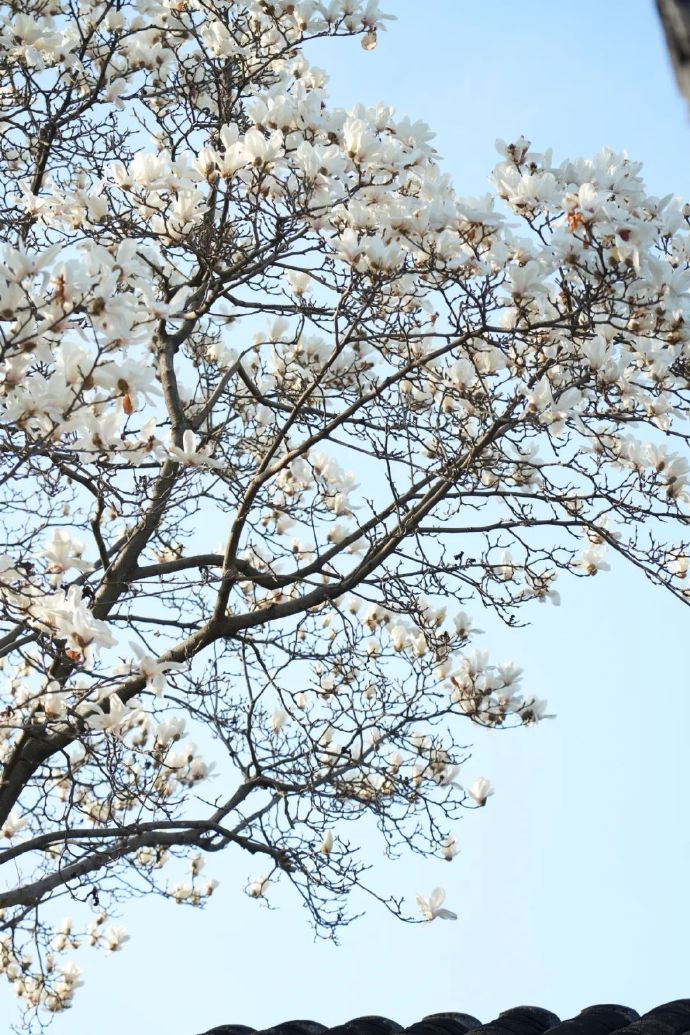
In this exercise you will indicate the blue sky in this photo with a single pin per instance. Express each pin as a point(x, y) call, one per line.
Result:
point(572, 883)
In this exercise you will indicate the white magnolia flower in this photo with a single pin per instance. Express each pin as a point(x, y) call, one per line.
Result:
point(432, 907)
point(399, 637)
point(63, 552)
point(419, 644)
point(464, 626)
point(95, 928)
point(110, 721)
point(191, 455)
point(679, 565)
point(170, 730)
point(74, 620)
point(449, 848)
point(480, 790)
point(257, 886)
point(115, 938)
point(260, 151)
point(533, 710)
point(278, 718)
point(591, 560)
point(300, 282)
point(506, 569)
point(63, 937)
point(154, 670)
point(70, 979)
point(182, 892)
point(337, 533)
point(53, 701)
point(12, 825)
point(327, 843)
point(527, 280)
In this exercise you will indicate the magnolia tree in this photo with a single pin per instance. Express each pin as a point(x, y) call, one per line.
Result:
point(278, 410)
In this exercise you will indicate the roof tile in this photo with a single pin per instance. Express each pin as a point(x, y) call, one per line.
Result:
point(602, 1019)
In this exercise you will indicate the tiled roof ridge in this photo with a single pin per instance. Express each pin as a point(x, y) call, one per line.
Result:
point(671, 1018)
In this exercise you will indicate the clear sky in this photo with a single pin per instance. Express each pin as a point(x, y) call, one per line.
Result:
point(572, 884)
